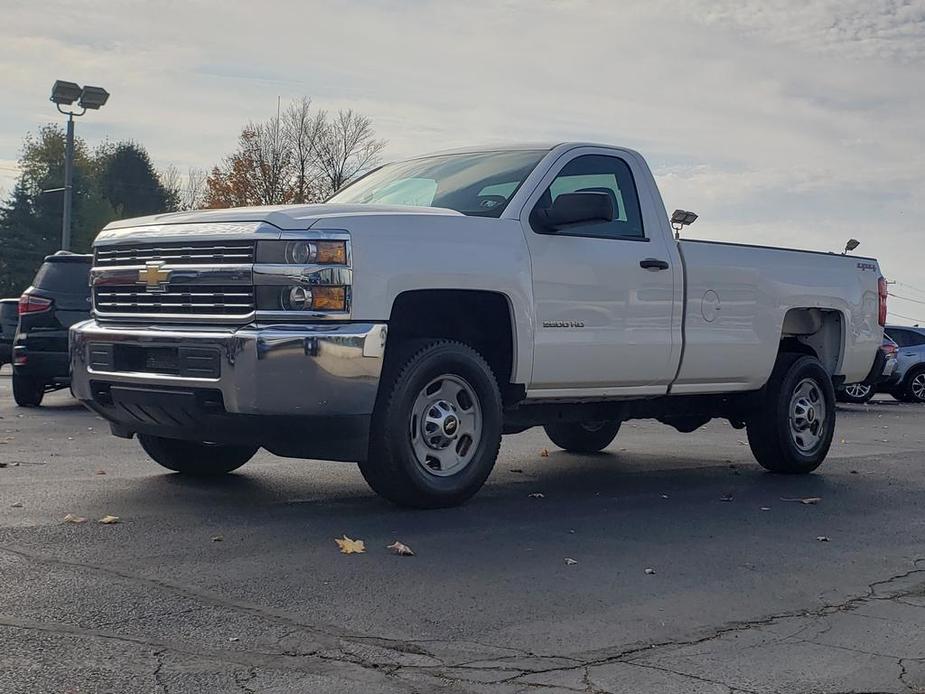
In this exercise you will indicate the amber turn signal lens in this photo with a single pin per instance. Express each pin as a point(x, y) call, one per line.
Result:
point(331, 252)
point(329, 298)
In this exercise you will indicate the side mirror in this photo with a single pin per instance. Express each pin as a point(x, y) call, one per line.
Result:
point(570, 209)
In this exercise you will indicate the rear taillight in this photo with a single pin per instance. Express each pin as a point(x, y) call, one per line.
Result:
point(888, 349)
point(882, 290)
point(33, 304)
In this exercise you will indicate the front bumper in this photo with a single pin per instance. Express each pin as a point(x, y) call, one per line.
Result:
point(290, 388)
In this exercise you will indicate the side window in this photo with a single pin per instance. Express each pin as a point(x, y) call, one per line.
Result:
point(899, 337)
point(597, 173)
point(914, 339)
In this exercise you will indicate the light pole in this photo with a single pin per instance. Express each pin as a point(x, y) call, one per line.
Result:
point(66, 93)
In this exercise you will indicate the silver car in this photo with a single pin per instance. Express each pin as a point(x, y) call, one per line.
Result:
point(908, 382)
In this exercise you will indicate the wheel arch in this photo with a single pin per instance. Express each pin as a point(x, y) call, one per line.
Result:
point(818, 332)
point(483, 319)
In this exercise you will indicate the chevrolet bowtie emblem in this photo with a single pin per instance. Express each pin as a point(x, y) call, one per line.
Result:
point(154, 277)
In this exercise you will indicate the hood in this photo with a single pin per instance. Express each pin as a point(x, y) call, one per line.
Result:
point(285, 217)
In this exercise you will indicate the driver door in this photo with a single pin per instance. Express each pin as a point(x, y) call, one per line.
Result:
point(605, 293)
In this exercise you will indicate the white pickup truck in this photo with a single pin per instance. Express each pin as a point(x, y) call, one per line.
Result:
point(438, 303)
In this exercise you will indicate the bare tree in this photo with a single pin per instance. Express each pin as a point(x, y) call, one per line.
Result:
point(300, 156)
point(345, 146)
point(301, 128)
point(185, 193)
point(269, 154)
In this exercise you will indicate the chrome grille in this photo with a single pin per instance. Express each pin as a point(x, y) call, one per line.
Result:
point(187, 253)
point(177, 300)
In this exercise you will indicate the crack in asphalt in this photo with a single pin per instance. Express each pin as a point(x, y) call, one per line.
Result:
point(159, 659)
point(389, 655)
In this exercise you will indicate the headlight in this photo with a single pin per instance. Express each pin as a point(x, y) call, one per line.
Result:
point(302, 298)
point(302, 252)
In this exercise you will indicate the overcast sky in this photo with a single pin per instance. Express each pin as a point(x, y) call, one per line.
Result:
point(792, 122)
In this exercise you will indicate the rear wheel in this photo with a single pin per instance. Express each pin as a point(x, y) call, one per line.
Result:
point(582, 437)
point(27, 392)
point(793, 430)
point(436, 432)
point(856, 393)
point(194, 458)
point(914, 386)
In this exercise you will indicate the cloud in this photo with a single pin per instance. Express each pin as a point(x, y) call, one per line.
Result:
point(780, 122)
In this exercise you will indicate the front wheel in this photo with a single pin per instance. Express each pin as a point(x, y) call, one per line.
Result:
point(856, 393)
point(792, 432)
point(913, 388)
point(436, 431)
point(27, 392)
point(582, 437)
point(196, 459)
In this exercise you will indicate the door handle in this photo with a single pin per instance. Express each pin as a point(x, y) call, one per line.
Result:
point(653, 264)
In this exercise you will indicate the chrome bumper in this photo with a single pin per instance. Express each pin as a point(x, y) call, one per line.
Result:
point(296, 370)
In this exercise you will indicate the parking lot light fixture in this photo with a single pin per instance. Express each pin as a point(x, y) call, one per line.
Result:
point(66, 93)
point(93, 97)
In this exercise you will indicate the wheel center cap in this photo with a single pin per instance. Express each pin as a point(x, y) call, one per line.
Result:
point(450, 425)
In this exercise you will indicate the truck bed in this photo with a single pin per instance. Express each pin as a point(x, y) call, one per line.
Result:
point(736, 300)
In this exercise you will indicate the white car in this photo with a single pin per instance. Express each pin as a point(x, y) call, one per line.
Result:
point(438, 303)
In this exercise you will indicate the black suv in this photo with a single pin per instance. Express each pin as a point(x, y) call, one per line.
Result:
point(9, 317)
point(58, 298)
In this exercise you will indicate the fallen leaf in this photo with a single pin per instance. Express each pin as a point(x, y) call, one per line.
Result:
point(853, 472)
point(765, 508)
point(234, 638)
point(664, 496)
point(16, 504)
point(650, 572)
point(217, 538)
point(808, 500)
point(537, 495)
point(822, 538)
point(516, 469)
point(76, 520)
point(101, 472)
point(570, 562)
point(401, 549)
point(544, 453)
point(726, 497)
point(109, 520)
point(348, 546)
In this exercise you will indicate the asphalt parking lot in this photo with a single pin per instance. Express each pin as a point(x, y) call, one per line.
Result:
point(239, 586)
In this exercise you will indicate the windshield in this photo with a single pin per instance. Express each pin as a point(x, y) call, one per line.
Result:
point(479, 183)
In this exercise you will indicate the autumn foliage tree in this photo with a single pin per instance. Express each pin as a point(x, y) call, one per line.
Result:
point(301, 156)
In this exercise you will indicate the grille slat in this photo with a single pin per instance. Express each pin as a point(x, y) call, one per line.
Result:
point(233, 300)
point(184, 253)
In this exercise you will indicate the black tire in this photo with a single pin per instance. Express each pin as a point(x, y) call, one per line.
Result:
point(842, 395)
point(392, 467)
point(27, 392)
point(770, 434)
point(913, 384)
point(196, 459)
point(582, 437)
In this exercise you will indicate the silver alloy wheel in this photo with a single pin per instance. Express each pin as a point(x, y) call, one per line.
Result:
point(918, 386)
point(446, 425)
point(857, 390)
point(807, 415)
